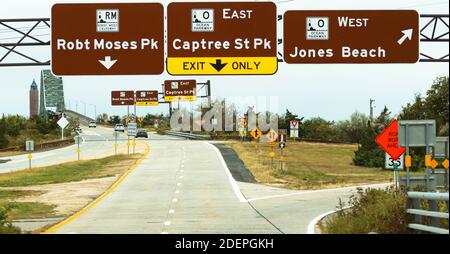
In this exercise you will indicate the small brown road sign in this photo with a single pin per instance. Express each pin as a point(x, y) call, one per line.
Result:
point(351, 36)
point(122, 98)
point(147, 98)
point(107, 39)
point(180, 90)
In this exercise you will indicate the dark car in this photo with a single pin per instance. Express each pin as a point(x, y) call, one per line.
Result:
point(141, 133)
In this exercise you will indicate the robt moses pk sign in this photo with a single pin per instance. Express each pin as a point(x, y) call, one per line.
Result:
point(107, 39)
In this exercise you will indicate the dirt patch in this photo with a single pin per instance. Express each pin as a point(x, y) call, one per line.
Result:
point(68, 197)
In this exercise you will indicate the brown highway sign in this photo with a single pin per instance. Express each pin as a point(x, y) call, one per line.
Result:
point(356, 36)
point(221, 38)
point(107, 39)
point(180, 90)
point(122, 98)
point(147, 98)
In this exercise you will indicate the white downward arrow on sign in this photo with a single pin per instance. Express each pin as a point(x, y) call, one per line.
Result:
point(407, 34)
point(108, 63)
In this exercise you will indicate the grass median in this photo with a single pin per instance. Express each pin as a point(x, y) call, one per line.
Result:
point(18, 186)
point(69, 172)
point(307, 165)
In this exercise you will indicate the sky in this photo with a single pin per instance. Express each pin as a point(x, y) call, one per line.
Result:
point(331, 91)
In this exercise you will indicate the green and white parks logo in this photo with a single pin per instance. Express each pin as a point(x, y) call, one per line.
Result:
point(317, 28)
point(107, 20)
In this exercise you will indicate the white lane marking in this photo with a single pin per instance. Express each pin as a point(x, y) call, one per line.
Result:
point(181, 177)
point(164, 233)
point(171, 211)
point(167, 223)
point(312, 224)
point(178, 184)
point(182, 170)
point(177, 191)
point(182, 166)
point(382, 185)
point(233, 183)
point(175, 200)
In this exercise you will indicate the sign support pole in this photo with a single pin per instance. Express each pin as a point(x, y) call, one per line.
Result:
point(78, 146)
point(427, 152)
point(115, 144)
point(407, 154)
point(29, 160)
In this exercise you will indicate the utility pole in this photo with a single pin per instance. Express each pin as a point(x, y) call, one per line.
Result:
point(371, 109)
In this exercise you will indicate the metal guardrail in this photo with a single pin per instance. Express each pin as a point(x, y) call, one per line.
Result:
point(433, 211)
point(187, 135)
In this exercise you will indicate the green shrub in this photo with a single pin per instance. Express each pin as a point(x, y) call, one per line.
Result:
point(372, 210)
point(5, 226)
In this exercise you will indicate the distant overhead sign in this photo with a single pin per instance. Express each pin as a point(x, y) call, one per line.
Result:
point(147, 98)
point(388, 141)
point(219, 38)
point(122, 98)
point(369, 36)
point(108, 39)
point(180, 90)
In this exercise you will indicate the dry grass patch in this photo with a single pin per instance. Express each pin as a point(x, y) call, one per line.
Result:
point(307, 165)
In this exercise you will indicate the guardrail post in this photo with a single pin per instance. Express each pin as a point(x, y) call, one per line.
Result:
point(433, 206)
point(416, 205)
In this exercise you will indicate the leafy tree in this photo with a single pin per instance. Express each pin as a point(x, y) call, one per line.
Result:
point(435, 105)
point(114, 119)
point(369, 154)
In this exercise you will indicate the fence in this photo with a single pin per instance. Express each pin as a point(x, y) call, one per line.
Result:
point(432, 215)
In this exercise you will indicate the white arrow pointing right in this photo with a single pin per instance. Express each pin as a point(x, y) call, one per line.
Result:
point(407, 34)
point(107, 63)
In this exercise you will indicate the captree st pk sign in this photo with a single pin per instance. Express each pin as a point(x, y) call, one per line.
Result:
point(107, 39)
point(147, 98)
point(351, 36)
point(221, 38)
point(180, 90)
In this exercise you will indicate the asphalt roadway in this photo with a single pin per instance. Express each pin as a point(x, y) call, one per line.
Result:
point(96, 143)
point(185, 186)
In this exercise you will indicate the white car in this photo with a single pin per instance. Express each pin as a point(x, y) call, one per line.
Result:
point(119, 127)
point(92, 124)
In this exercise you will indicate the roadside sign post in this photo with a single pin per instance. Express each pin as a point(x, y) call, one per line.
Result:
point(62, 122)
point(282, 145)
point(116, 134)
point(293, 127)
point(77, 140)
point(131, 132)
point(388, 140)
point(29, 147)
point(417, 133)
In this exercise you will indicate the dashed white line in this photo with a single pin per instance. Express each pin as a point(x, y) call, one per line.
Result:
point(177, 191)
point(181, 177)
point(171, 211)
point(175, 200)
point(164, 233)
point(167, 223)
point(178, 184)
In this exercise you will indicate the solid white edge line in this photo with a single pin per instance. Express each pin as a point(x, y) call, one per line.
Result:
point(378, 185)
point(312, 224)
point(233, 182)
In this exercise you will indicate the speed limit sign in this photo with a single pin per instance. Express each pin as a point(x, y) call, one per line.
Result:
point(389, 162)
